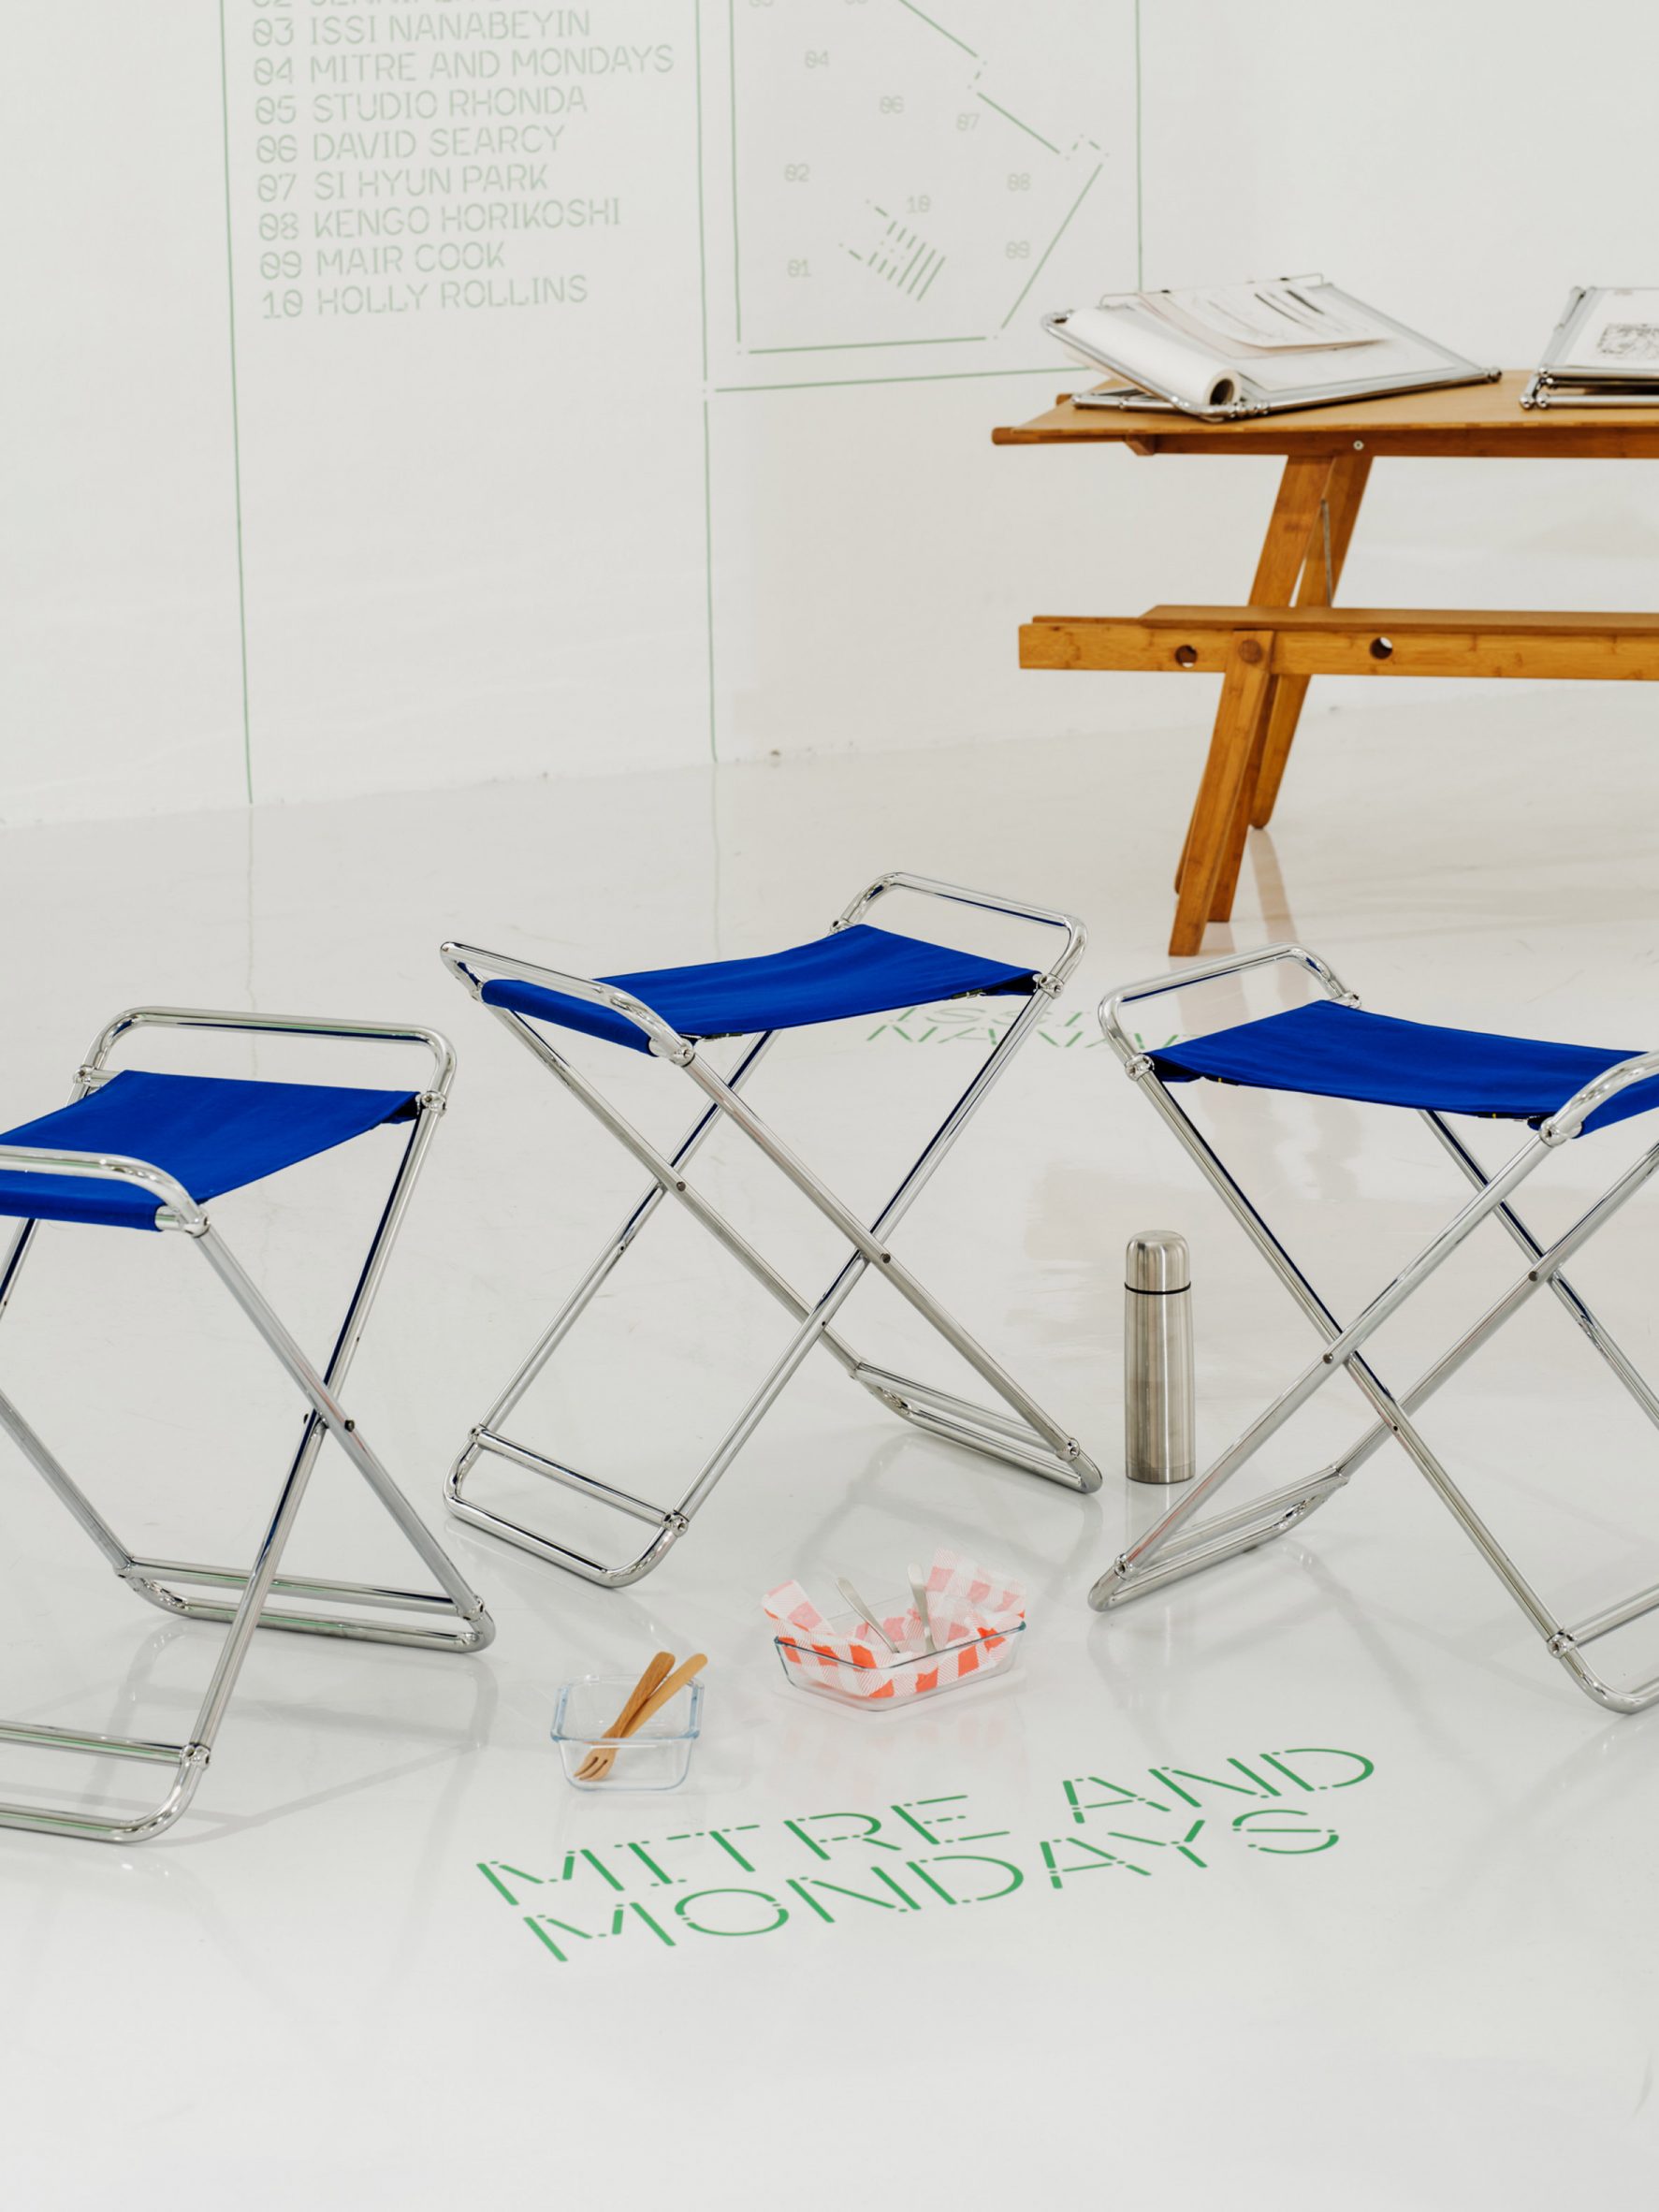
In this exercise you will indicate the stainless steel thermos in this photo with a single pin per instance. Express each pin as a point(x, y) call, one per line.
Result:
point(1157, 1388)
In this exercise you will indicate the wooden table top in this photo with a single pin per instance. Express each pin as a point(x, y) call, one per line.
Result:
point(1472, 419)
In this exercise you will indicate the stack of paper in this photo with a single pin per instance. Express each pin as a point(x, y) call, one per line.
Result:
point(1603, 353)
point(1258, 348)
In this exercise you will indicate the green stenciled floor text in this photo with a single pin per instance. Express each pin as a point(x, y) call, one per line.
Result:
point(754, 1878)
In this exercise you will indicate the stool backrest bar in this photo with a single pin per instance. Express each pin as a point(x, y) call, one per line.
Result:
point(988, 901)
point(471, 964)
point(341, 1026)
point(1129, 1051)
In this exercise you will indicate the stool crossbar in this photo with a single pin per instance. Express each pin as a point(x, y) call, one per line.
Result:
point(143, 1151)
point(670, 1013)
point(1329, 1048)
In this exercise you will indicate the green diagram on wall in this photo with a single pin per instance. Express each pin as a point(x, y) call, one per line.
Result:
point(879, 176)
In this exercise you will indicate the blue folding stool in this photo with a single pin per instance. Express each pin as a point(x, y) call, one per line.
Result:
point(143, 1151)
point(670, 1013)
point(1330, 1049)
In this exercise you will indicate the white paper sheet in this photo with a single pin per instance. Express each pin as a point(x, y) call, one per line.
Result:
point(1210, 350)
point(1155, 358)
point(1620, 331)
point(1262, 318)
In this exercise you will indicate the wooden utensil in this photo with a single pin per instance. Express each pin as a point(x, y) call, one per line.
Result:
point(598, 1763)
point(676, 1682)
point(656, 1669)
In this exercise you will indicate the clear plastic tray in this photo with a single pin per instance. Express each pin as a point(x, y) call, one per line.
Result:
point(886, 1680)
point(656, 1757)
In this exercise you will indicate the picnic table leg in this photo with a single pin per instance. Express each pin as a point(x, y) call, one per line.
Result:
point(1224, 794)
point(1348, 474)
point(1294, 533)
point(1238, 828)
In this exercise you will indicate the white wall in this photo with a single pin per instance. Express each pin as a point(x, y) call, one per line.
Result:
point(1463, 163)
point(696, 458)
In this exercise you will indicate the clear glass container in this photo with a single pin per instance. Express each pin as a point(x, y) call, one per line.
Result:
point(875, 1677)
point(655, 1757)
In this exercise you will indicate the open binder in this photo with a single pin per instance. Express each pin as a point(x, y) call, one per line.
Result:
point(1604, 352)
point(1222, 352)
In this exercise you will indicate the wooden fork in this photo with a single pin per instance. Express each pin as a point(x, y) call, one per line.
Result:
point(656, 1669)
point(598, 1763)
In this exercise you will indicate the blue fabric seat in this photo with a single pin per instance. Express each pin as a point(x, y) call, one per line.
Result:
point(858, 970)
point(210, 1133)
point(1339, 1051)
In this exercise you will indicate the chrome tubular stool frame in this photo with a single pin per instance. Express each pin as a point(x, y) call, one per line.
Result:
point(1024, 1437)
point(1183, 1543)
point(244, 1604)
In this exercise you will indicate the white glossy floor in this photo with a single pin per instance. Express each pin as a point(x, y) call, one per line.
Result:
point(1414, 1964)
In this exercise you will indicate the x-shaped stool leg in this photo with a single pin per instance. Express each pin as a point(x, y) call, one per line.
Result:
point(451, 1618)
point(1182, 1544)
point(1025, 1436)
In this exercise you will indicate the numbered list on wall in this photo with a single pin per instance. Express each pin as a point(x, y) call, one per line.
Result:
point(406, 161)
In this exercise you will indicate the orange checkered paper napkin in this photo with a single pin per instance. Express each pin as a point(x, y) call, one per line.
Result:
point(975, 1612)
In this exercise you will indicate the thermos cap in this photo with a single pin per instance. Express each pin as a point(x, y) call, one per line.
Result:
point(1157, 1260)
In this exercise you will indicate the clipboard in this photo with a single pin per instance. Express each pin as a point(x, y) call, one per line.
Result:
point(1147, 340)
point(1570, 375)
